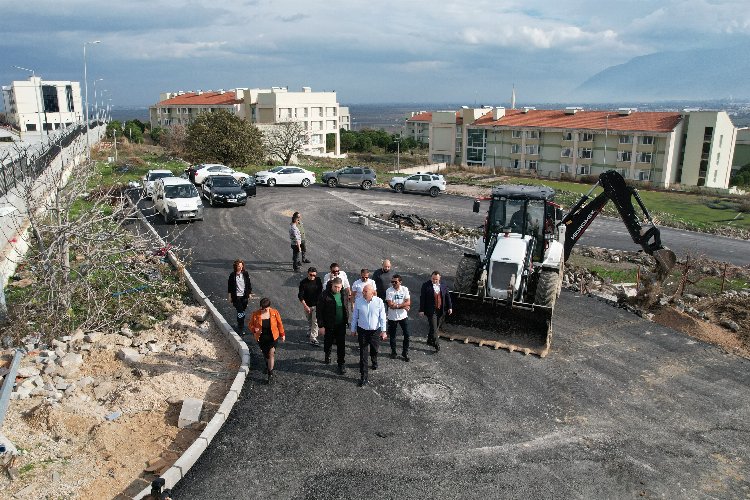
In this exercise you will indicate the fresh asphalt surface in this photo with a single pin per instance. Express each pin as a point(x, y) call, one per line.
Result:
point(621, 407)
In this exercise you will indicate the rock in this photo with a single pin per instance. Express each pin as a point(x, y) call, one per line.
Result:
point(71, 360)
point(731, 325)
point(190, 412)
point(689, 297)
point(22, 392)
point(61, 385)
point(50, 369)
point(28, 371)
point(69, 373)
point(92, 337)
point(103, 390)
point(85, 381)
point(125, 330)
point(201, 316)
point(77, 336)
point(153, 347)
point(129, 355)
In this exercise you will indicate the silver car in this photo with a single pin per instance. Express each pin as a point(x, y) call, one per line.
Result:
point(422, 182)
point(151, 177)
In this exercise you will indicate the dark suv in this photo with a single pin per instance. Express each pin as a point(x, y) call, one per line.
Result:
point(350, 176)
point(223, 189)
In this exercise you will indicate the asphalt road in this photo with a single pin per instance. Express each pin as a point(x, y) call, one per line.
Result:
point(621, 408)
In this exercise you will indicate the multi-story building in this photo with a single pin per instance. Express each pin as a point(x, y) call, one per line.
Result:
point(418, 126)
point(36, 106)
point(181, 108)
point(318, 112)
point(692, 148)
point(741, 149)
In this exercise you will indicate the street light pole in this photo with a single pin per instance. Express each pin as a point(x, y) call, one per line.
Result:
point(96, 103)
point(86, 87)
point(36, 96)
point(397, 140)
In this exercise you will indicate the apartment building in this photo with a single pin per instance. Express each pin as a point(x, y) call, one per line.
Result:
point(691, 148)
point(418, 126)
point(741, 149)
point(181, 108)
point(36, 106)
point(319, 112)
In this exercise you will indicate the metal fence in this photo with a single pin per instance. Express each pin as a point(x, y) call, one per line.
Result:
point(17, 164)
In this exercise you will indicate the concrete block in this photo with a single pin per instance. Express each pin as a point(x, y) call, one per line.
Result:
point(190, 412)
point(129, 355)
point(213, 427)
point(71, 360)
point(191, 455)
point(28, 371)
point(226, 406)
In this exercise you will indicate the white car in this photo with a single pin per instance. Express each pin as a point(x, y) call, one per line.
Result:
point(177, 199)
point(204, 170)
point(151, 177)
point(422, 182)
point(289, 175)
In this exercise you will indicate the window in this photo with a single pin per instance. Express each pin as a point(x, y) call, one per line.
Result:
point(643, 175)
point(644, 157)
point(647, 139)
point(516, 163)
point(708, 133)
point(585, 153)
point(516, 134)
point(566, 153)
point(624, 156)
point(69, 97)
point(587, 136)
point(626, 139)
point(49, 96)
point(531, 164)
point(31, 127)
point(532, 134)
point(721, 139)
point(583, 170)
point(515, 148)
point(567, 136)
point(532, 149)
point(566, 168)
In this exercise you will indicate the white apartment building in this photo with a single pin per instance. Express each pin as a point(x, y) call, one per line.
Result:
point(691, 148)
point(36, 106)
point(319, 112)
point(418, 126)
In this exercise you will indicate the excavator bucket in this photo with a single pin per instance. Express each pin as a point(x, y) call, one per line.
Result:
point(486, 321)
point(665, 261)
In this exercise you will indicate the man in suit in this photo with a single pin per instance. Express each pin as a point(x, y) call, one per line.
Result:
point(434, 303)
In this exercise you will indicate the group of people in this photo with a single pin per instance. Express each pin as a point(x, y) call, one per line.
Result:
point(371, 309)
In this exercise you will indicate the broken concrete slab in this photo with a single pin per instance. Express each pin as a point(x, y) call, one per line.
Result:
point(28, 371)
point(190, 412)
point(129, 355)
point(71, 360)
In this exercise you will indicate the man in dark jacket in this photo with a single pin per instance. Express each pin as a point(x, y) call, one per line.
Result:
point(434, 303)
point(382, 278)
point(333, 316)
point(310, 289)
point(239, 289)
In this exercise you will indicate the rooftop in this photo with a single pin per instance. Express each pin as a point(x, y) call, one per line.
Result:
point(651, 121)
point(202, 99)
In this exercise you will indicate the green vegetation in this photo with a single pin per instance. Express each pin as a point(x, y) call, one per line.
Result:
point(222, 137)
point(742, 177)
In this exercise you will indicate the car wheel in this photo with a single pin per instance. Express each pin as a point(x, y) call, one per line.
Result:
point(399, 188)
point(434, 191)
point(332, 182)
point(167, 219)
point(366, 185)
point(211, 200)
point(271, 182)
point(305, 183)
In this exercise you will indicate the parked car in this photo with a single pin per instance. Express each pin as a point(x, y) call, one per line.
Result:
point(223, 189)
point(177, 199)
point(249, 186)
point(151, 177)
point(350, 176)
point(422, 182)
point(290, 176)
point(198, 173)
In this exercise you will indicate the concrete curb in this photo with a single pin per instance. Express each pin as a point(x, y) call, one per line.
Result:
point(183, 464)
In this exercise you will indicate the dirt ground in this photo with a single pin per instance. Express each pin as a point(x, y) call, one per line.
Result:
point(70, 449)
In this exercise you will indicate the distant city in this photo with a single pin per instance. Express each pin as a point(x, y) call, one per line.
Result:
point(390, 117)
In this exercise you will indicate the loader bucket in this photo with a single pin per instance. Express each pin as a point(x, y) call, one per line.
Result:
point(486, 321)
point(665, 261)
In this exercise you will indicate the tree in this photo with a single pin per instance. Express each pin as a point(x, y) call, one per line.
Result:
point(133, 131)
point(348, 140)
point(285, 140)
point(112, 127)
point(175, 139)
point(222, 137)
point(157, 134)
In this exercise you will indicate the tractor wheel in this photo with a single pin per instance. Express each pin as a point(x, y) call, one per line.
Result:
point(547, 288)
point(467, 274)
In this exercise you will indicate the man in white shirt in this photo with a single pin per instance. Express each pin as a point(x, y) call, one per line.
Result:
point(368, 319)
point(363, 281)
point(398, 300)
point(336, 272)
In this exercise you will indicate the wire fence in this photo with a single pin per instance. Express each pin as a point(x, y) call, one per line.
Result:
point(23, 163)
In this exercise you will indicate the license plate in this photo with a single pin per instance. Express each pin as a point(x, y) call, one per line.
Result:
point(232, 200)
point(190, 214)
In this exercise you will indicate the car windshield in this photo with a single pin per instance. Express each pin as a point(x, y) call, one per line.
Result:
point(158, 175)
point(186, 191)
point(225, 181)
point(275, 169)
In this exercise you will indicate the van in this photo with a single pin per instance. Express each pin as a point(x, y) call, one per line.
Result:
point(177, 199)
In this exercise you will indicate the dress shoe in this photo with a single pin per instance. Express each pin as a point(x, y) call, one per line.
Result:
point(327, 360)
point(431, 342)
point(436, 346)
point(306, 261)
point(406, 357)
point(393, 355)
point(362, 383)
point(374, 367)
point(342, 369)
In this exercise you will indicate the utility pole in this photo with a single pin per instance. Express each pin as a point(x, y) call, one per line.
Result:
point(114, 132)
point(397, 140)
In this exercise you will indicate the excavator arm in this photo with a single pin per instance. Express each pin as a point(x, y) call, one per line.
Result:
point(621, 195)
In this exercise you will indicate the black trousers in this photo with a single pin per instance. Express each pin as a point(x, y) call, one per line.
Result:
point(393, 327)
point(303, 247)
point(367, 338)
point(436, 320)
point(295, 258)
point(338, 335)
point(240, 304)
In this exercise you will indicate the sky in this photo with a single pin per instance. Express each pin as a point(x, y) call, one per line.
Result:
point(368, 52)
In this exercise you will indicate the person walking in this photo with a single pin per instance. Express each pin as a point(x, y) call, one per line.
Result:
point(310, 289)
point(333, 316)
point(399, 302)
point(359, 285)
point(434, 303)
point(266, 326)
point(382, 279)
point(296, 240)
point(336, 272)
point(368, 320)
point(239, 289)
point(302, 245)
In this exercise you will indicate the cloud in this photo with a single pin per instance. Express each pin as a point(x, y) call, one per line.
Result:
point(293, 18)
